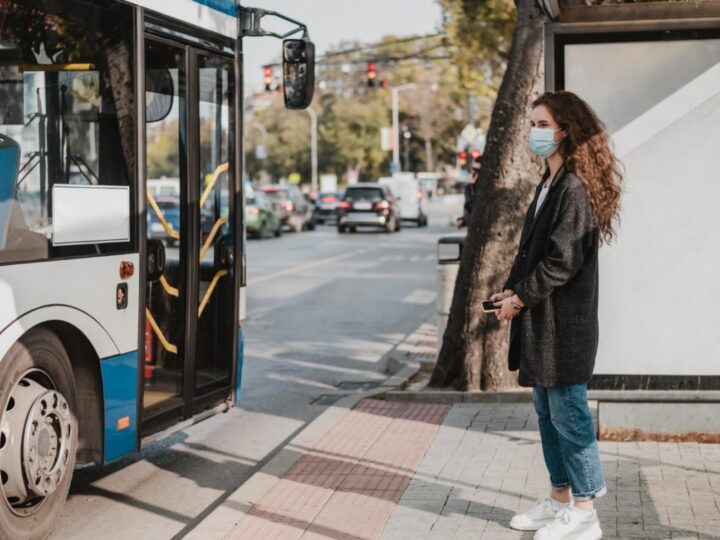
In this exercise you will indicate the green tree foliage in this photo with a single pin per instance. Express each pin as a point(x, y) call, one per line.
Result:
point(479, 33)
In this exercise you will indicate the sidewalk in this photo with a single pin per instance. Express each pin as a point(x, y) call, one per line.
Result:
point(372, 469)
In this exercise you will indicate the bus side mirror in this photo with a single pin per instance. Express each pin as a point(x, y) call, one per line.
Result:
point(155, 259)
point(298, 72)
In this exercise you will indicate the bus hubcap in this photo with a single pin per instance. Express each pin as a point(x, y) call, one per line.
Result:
point(35, 450)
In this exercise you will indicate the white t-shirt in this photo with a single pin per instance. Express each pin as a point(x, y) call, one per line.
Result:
point(541, 199)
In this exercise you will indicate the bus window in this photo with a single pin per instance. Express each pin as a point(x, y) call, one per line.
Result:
point(68, 103)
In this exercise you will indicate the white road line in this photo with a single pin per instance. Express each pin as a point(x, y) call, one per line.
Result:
point(419, 296)
point(308, 266)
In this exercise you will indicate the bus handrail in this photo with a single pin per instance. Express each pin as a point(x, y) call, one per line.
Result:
point(223, 167)
point(210, 289)
point(211, 238)
point(169, 347)
point(172, 233)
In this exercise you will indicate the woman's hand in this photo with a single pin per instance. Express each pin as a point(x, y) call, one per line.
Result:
point(507, 293)
point(508, 307)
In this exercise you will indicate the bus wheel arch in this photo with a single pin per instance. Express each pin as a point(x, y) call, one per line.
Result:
point(38, 393)
point(88, 381)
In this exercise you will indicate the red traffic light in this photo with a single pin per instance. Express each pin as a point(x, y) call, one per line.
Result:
point(371, 74)
point(267, 70)
point(462, 157)
point(476, 154)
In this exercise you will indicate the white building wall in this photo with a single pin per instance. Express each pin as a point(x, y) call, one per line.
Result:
point(659, 285)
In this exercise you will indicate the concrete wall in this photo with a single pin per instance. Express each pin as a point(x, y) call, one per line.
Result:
point(660, 282)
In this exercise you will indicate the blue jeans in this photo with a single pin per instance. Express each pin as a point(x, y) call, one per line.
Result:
point(568, 440)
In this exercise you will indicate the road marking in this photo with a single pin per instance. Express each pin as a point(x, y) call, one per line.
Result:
point(308, 266)
point(419, 296)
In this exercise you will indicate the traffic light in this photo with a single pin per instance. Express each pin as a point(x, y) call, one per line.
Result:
point(371, 74)
point(462, 158)
point(475, 154)
point(268, 78)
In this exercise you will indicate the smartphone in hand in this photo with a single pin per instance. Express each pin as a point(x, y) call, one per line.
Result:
point(488, 306)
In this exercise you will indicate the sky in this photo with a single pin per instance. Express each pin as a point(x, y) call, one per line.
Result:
point(332, 21)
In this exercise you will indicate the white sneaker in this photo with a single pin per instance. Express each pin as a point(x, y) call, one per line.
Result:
point(538, 516)
point(572, 524)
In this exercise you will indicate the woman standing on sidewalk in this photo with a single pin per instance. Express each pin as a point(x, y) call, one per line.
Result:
point(551, 296)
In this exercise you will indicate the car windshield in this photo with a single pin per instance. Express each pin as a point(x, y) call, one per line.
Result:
point(168, 205)
point(364, 194)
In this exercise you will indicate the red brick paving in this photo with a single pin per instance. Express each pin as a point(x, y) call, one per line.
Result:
point(347, 486)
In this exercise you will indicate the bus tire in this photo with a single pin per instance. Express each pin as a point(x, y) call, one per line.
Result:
point(36, 384)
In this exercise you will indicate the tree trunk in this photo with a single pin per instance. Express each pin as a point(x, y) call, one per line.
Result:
point(428, 155)
point(474, 349)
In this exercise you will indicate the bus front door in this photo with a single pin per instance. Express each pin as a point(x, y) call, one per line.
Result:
point(189, 313)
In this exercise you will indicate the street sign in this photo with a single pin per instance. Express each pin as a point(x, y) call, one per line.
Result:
point(328, 182)
point(260, 152)
point(469, 133)
point(386, 138)
point(294, 178)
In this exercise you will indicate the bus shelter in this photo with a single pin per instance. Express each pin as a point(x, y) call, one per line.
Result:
point(651, 71)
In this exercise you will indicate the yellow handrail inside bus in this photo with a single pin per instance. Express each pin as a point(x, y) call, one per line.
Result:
point(172, 233)
point(56, 67)
point(219, 223)
point(210, 290)
point(169, 347)
point(223, 167)
point(169, 289)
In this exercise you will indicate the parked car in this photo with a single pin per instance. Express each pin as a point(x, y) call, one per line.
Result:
point(170, 208)
point(262, 217)
point(368, 204)
point(409, 195)
point(326, 206)
point(297, 212)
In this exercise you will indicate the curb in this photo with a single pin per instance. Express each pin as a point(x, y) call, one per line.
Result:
point(227, 514)
point(525, 396)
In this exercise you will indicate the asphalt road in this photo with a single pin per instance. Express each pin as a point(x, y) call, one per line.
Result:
point(323, 308)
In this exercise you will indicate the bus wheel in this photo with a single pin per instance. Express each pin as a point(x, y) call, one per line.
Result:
point(38, 434)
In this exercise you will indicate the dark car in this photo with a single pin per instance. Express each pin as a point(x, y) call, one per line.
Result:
point(326, 206)
point(297, 212)
point(170, 209)
point(370, 205)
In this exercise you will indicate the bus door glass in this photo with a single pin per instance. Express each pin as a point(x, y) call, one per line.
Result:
point(214, 359)
point(167, 194)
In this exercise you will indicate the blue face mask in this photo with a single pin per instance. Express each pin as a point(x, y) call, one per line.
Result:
point(542, 141)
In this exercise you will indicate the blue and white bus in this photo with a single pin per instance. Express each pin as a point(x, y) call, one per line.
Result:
point(121, 231)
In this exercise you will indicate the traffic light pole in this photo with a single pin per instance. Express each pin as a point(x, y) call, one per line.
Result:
point(396, 122)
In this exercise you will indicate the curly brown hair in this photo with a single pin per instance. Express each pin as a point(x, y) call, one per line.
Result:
point(588, 153)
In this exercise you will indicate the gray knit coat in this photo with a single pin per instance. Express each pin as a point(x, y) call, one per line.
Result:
point(554, 339)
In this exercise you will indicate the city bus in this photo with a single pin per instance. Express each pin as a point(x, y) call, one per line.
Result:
point(121, 231)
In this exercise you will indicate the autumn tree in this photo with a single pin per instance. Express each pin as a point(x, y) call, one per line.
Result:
point(474, 349)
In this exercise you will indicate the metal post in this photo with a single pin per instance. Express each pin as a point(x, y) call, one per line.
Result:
point(313, 149)
point(396, 122)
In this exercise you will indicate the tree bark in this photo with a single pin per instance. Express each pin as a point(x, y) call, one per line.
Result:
point(428, 155)
point(474, 350)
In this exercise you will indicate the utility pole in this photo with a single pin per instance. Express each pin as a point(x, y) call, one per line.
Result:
point(313, 149)
point(396, 122)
